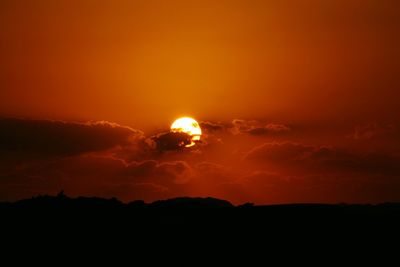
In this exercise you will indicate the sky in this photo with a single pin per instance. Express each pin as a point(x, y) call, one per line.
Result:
point(297, 100)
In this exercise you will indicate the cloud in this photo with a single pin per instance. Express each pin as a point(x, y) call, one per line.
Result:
point(285, 151)
point(323, 159)
point(210, 167)
point(117, 170)
point(257, 128)
point(208, 126)
point(170, 141)
point(180, 171)
point(239, 126)
point(106, 159)
point(99, 176)
point(371, 130)
point(58, 138)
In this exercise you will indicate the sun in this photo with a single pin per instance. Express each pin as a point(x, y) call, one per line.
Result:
point(189, 126)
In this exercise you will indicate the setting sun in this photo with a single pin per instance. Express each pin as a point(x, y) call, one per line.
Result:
point(189, 126)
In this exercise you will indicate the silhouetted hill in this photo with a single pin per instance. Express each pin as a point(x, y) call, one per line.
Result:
point(202, 209)
point(61, 217)
point(61, 201)
point(198, 226)
point(188, 202)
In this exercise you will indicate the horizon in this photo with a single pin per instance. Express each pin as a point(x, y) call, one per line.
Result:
point(191, 199)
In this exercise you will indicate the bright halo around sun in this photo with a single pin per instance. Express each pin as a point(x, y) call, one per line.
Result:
point(189, 126)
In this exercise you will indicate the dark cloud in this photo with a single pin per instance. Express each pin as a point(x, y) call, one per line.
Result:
point(58, 138)
point(117, 170)
point(106, 159)
point(257, 128)
point(323, 159)
point(239, 126)
point(371, 130)
point(97, 176)
point(208, 126)
point(170, 141)
point(278, 152)
point(210, 167)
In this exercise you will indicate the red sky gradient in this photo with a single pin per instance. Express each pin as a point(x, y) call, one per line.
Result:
point(298, 100)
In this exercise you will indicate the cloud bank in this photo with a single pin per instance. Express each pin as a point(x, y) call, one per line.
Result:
point(58, 138)
point(242, 161)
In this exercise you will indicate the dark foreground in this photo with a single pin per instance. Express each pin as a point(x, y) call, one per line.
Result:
point(179, 223)
point(193, 213)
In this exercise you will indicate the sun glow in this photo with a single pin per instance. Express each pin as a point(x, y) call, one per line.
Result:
point(189, 126)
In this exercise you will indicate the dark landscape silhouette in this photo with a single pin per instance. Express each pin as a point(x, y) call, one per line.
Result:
point(193, 212)
point(200, 226)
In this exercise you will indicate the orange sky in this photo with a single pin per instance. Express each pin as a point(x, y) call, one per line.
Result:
point(329, 70)
point(145, 62)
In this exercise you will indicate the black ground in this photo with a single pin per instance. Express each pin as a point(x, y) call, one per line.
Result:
point(188, 223)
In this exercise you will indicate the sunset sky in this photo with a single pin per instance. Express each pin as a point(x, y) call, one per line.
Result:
point(298, 101)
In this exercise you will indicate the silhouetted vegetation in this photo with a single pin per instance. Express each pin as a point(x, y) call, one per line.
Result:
point(191, 220)
point(204, 218)
point(194, 210)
